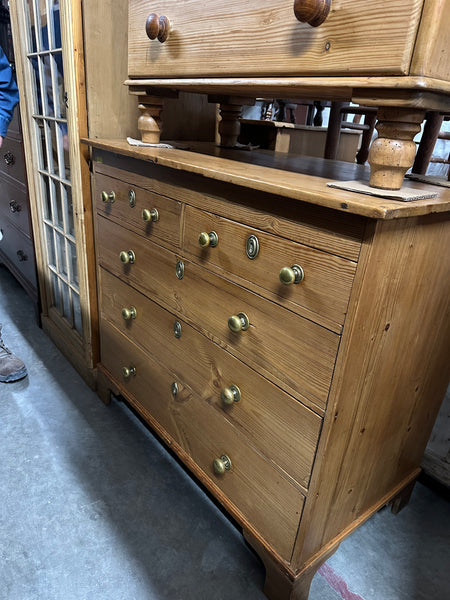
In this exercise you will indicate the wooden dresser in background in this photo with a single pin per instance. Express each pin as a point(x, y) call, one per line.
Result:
point(287, 340)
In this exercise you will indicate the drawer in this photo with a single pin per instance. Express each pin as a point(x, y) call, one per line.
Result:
point(322, 272)
point(131, 204)
point(11, 159)
point(258, 491)
point(267, 40)
point(14, 206)
point(287, 348)
point(18, 251)
point(278, 426)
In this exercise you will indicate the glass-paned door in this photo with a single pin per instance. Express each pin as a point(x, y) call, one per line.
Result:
point(49, 107)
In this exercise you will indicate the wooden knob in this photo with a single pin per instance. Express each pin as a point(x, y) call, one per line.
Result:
point(157, 27)
point(313, 12)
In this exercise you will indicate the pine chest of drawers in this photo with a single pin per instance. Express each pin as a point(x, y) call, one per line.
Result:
point(288, 341)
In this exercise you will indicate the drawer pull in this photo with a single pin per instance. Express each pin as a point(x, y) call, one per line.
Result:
point(127, 257)
point(230, 395)
point(292, 274)
point(208, 239)
point(157, 27)
point(313, 12)
point(9, 157)
point(108, 197)
point(238, 322)
point(151, 215)
point(14, 207)
point(127, 372)
point(222, 464)
point(129, 313)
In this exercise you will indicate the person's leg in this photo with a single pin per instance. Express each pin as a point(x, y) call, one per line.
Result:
point(11, 367)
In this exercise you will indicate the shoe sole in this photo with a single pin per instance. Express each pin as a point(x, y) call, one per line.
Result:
point(14, 376)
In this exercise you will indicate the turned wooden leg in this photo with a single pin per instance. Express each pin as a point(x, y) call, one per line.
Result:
point(150, 123)
point(281, 583)
point(229, 125)
point(393, 152)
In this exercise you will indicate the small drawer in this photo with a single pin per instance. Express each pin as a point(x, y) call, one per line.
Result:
point(14, 206)
point(11, 159)
point(259, 492)
point(281, 428)
point(263, 259)
point(287, 348)
point(19, 252)
point(150, 214)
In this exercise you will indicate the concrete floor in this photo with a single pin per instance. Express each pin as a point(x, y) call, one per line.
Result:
point(93, 508)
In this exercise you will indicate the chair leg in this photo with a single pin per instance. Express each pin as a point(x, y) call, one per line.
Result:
point(430, 134)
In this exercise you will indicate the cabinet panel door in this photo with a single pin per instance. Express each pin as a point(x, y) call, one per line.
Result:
point(264, 38)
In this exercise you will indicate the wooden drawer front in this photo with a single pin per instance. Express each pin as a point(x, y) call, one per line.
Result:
point(11, 159)
point(259, 492)
point(266, 39)
point(287, 348)
point(323, 272)
point(14, 206)
point(280, 427)
point(19, 250)
point(166, 229)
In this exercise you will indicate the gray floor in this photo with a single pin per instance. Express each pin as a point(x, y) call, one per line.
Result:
point(93, 508)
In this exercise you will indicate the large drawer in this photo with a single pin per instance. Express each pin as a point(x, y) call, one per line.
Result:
point(126, 204)
point(262, 39)
point(18, 251)
point(11, 159)
point(14, 206)
point(259, 491)
point(235, 242)
point(285, 347)
point(278, 426)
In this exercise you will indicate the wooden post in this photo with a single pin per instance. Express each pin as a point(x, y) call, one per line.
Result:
point(150, 122)
point(230, 112)
point(393, 152)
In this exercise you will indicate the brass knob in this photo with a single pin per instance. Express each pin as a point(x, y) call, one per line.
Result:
point(230, 395)
point(157, 27)
point(127, 372)
point(127, 257)
point(150, 215)
point(313, 12)
point(129, 313)
point(108, 197)
point(208, 239)
point(292, 274)
point(222, 464)
point(238, 322)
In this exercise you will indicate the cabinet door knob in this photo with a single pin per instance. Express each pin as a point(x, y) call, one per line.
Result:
point(14, 207)
point(222, 464)
point(127, 257)
point(127, 372)
point(292, 274)
point(129, 313)
point(313, 12)
point(208, 239)
point(157, 27)
point(151, 215)
point(239, 322)
point(230, 395)
point(108, 197)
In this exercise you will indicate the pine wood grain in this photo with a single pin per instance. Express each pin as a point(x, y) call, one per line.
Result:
point(278, 426)
point(300, 355)
point(261, 494)
point(375, 38)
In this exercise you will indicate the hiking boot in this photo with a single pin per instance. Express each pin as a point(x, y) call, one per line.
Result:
point(11, 367)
